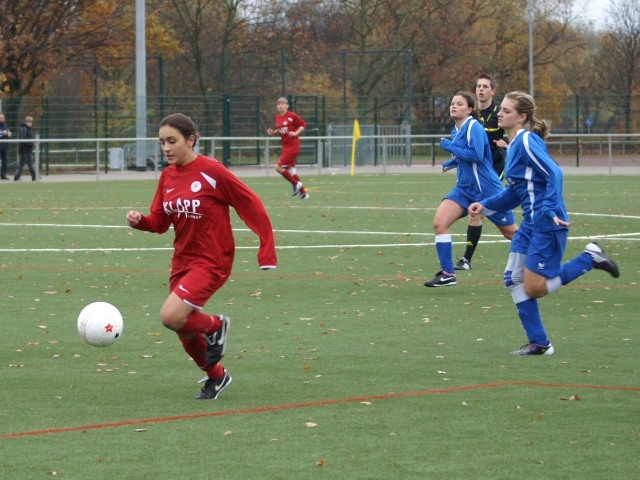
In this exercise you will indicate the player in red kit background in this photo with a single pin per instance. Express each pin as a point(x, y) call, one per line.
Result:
point(289, 126)
point(194, 194)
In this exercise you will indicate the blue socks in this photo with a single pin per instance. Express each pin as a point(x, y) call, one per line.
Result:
point(529, 314)
point(445, 252)
point(576, 268)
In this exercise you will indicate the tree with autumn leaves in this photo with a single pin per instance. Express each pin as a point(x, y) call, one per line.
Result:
point(350, 51)
point(69, 42)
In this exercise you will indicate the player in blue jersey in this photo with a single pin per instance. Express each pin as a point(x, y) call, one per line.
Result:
point(486, 86)
point(477, 180)
point(534, 181)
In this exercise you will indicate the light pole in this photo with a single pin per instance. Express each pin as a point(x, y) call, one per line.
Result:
point(141, 87)
point(530, 14)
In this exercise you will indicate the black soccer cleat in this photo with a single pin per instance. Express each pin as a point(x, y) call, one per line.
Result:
point(212, 387)
point(601, 260)
point(462, 264)
point(532, 348)
point(442, 280)
point(217, 341)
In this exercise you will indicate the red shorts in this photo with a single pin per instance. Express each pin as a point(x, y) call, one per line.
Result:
point(196, 285)
point(289, 157)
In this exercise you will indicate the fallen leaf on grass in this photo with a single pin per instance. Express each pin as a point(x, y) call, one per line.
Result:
point(571, 398)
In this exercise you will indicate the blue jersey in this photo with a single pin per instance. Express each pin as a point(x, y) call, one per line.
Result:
point(534, 181)
point(472, 156)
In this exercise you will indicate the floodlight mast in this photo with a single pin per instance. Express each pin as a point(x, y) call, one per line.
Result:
point(141, 87)
point(530, 15)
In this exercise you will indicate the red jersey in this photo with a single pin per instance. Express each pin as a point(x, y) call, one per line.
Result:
point(289, 122)
point(195, 198)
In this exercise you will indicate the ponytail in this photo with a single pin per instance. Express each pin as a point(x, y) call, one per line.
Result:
point(538, 126)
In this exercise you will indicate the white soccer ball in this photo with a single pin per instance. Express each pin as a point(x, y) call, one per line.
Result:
point(100, 324)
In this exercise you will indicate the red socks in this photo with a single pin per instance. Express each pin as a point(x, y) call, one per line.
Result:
point(296, 178)
point(214, 371)
point(196, 347)
point(198, 322)
point(290, 178)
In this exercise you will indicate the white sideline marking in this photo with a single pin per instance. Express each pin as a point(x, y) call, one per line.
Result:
point(497, 238)
point(297, 247)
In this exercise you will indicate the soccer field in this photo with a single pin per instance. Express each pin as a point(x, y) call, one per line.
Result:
point(344, 365)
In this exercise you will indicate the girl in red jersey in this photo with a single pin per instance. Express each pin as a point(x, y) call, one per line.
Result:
point(289, 126)
point(194, 194)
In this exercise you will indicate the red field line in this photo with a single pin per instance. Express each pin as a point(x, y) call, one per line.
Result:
point(290, 406)
point(572, 385)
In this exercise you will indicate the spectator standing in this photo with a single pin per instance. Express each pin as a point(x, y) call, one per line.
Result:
point(5, 133)
point(25, 149)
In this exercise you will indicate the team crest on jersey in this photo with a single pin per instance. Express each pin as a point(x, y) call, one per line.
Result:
point(196, 186)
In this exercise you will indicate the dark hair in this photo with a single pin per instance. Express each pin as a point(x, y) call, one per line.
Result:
point(491, 78)
point(471, 102)
point(524, 103)
point(182, 123)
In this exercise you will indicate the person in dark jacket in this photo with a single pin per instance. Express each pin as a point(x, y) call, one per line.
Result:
point(25, 149)
point(5, 133)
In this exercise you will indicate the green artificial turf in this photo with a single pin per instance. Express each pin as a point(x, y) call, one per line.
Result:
point(344, 366)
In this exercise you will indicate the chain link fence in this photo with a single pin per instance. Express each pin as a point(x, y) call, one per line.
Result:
point(585, 128)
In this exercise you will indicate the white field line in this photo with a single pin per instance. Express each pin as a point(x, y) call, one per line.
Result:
point(627, 237)
point(497, 238)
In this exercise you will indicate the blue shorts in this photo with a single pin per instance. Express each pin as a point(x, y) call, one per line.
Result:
point(544, 250)
point(500, 219)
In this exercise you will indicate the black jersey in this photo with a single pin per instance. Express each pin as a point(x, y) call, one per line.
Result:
point(489, 120)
